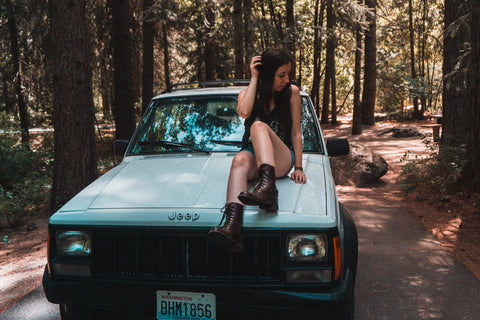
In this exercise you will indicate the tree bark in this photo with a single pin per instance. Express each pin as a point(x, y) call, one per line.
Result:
point(248, 31)
point(329, 86)
point(166, 53)
point(370, 70)
point(461, 96)
point(17, 69)
point(357, 108)
point(416, 110)
point(457, 81)
point(103, 21)
point(210, 44)
point(123, 109)
point(423, 69)
point(276, 21)
point(73, 111)
point(317, 54)
point(265, 34)
point(148, 40)
point(475, 104)
point(238, 39)
point(6, 98)
point(290, 30)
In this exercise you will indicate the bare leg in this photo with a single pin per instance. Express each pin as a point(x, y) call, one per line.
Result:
point(270, 149)
point(242, 169)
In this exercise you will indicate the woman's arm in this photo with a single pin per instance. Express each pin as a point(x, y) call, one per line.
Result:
point(296, 110)
point(246, 97)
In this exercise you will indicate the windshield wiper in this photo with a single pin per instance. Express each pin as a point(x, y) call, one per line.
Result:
point(235, 143)
point(165, 143)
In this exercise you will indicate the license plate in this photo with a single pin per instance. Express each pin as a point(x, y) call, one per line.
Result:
point(177, 305)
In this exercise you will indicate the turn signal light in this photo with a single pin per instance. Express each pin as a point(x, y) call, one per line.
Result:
point(338, 257)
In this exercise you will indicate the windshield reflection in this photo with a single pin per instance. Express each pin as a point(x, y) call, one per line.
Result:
point(203, 123)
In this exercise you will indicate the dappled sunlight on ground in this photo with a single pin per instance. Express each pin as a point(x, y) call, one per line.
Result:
point(460, 238)
point(417, 272)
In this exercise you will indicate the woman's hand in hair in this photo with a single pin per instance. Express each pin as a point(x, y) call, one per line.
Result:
point(254, 64)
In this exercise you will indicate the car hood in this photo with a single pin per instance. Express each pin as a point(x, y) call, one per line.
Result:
point(190, 190)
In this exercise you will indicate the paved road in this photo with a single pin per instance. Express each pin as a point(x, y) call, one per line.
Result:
point(33, 306)
point(403, 272)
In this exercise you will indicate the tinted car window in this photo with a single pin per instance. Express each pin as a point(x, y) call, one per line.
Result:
point(203, 123)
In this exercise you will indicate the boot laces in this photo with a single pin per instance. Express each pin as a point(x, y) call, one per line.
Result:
point(260, 179)
point(226, 215)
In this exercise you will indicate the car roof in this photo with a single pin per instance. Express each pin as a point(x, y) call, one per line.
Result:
point(234, 90)
point(185, 92)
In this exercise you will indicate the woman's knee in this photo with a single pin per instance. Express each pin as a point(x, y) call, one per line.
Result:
point(258, 126)
point(241, 160)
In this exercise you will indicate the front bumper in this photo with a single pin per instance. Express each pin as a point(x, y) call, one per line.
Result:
point(233, 302)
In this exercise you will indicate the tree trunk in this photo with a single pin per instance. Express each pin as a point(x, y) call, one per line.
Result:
point(238, 39)
point(103, 21)
point(334, 89)
point(6, 98)
point(276, 21)
point(461, 107)
point(166, 53)
point(73, 111)
point(370, 70)
point(248, 35)
point(17, 69)
point(148, 40)
point(123, 111)
point(330, 64)
point(265, 34)
point(331, 47)
point(317, 54)
point(456, 79)
point(290, 33)
point(423, 62)
point(210, 44)
point(474, 151)
point(416, 110)
point(357, 108)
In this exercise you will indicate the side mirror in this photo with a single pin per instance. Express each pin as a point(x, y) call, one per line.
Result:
point(337, 147)
point(119, 147)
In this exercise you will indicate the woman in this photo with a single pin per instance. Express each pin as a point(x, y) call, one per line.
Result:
point(272, 144)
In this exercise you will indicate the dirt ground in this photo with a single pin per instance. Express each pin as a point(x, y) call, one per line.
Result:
point(455, 224)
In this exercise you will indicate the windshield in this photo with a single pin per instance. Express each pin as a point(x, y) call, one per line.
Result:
point(203, 124)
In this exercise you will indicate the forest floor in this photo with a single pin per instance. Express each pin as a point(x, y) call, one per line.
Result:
point(455, 224)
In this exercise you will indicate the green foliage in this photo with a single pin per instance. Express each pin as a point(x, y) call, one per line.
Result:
point(436, 174)
point(24, 178)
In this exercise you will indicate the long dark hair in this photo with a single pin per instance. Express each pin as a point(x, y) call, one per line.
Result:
point(272, 59)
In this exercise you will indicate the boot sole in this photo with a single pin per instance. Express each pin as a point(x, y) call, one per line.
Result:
point(249, 200)
point(227, 243)
point(269, 207)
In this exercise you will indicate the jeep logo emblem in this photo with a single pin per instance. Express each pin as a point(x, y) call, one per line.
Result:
point(180, 216)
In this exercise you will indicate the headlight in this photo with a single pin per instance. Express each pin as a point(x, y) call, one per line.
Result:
point(307, 247)
point(74, 243)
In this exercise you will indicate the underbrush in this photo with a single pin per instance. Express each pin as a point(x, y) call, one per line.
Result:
point(26, 174)
point(437, 175)
point(25, 177)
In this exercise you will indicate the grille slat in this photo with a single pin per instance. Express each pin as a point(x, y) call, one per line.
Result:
point(187, 257)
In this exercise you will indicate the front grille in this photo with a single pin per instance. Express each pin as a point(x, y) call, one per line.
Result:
point(184, 257)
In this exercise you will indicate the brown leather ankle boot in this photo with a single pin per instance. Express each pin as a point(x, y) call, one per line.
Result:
point(265, 193)
point(230, 234)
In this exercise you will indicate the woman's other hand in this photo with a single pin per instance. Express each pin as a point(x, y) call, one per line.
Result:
point(298, 176)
